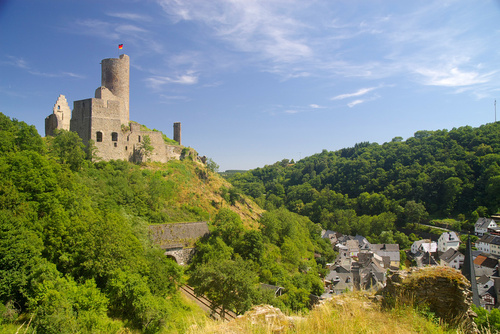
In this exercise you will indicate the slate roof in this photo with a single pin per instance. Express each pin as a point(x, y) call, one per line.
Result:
point(483, 223)
point(391, 250)
point(449, 255)
point(352, 245)
point(487, 238)
point(483, 280)
point(362, 241)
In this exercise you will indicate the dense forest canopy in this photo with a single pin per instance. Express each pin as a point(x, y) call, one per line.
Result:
point(445, 173)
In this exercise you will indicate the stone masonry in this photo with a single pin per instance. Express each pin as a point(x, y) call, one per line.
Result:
point(178, 239)
point(60, 117)
point(104, 119)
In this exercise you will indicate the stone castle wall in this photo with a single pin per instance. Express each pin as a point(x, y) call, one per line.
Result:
point(175, 235)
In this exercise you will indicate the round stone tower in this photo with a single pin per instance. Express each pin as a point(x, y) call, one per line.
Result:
point(115, 76)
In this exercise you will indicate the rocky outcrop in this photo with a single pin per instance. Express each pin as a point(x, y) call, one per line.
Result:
point(442, 290)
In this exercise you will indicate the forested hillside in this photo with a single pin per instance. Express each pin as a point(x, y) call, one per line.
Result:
point(75, 256)
point(360, 189)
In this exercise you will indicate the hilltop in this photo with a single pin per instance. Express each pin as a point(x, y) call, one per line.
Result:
point(444, 173)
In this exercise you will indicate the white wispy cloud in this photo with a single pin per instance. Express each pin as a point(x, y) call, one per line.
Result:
point(258, 27)
point(452, 77)
point(22, 64)
point(131, 16)
point(353, 103)
point(316, 106)
point(157, 82)
point(360, 92)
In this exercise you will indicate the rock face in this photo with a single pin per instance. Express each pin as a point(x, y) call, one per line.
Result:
point(443, 290)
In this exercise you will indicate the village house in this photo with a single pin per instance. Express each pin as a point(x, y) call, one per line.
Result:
point(424, 246)
point(338, 282)
point(487, 292)
point(331, 236)
point(482, 225)
point(369, 271)
point(448, 240)
point(484, 243)
point(352, 247)
point(452, 258)
point(391, 251)
point(426, 259)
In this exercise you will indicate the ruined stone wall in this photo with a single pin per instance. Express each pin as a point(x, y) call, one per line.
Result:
point(445, 291)
point(60, 117)
point(177, 132)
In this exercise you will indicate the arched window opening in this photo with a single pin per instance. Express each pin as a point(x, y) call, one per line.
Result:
point(114, 136)
point(98, 136)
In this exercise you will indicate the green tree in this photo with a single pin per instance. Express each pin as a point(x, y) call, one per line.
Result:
point(228, 284)
point(212, 166)
point(228, 226)
point(67, 147)
point(146, 148)
point(415, 212)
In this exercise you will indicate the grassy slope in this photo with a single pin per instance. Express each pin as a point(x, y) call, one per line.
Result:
point(347, 313)
point(193, 192)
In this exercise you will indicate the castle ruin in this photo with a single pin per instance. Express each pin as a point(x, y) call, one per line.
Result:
point(104, 119)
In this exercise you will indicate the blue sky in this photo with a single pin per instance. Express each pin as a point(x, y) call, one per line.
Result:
point(257, 81)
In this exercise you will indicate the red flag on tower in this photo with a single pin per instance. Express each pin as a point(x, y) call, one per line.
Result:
point(120, 46)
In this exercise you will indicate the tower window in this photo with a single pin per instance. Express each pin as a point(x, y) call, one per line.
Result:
point(98, 136)
point(139, 139)
point(114, 136)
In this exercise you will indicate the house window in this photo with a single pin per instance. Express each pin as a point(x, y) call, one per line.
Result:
point(139, 139)
point(98, 136)
point(114, 136)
